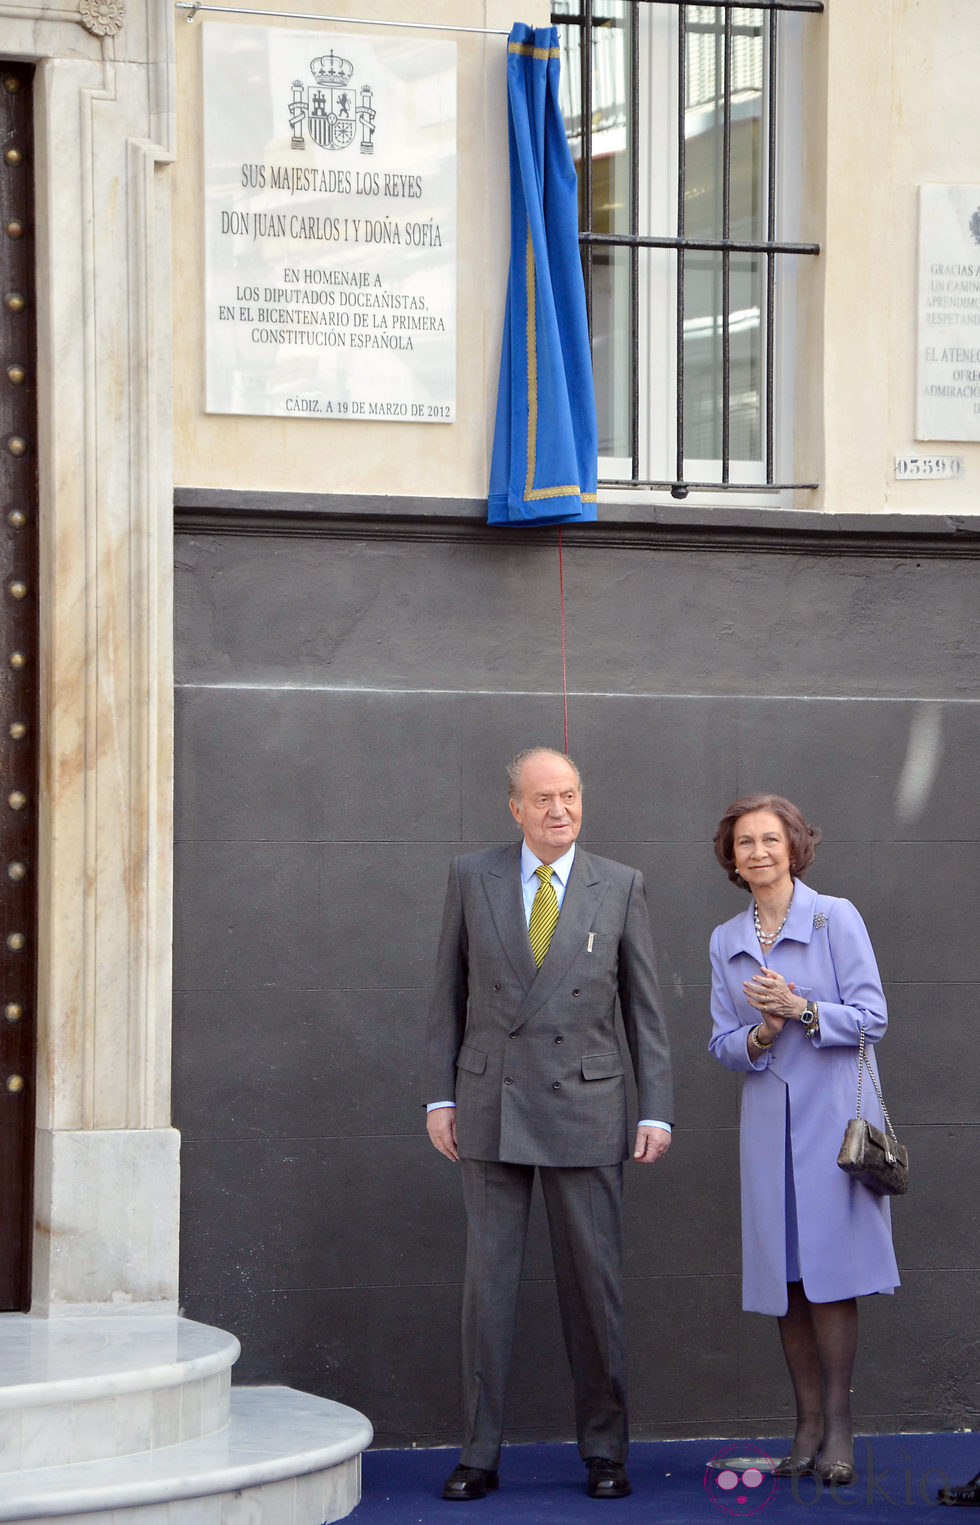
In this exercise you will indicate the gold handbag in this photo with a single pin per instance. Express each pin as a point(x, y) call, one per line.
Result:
point(876, 1159)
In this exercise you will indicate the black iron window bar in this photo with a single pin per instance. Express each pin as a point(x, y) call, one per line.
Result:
point(770, 248)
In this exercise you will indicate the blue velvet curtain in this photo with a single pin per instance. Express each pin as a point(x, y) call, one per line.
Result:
point(544, 449)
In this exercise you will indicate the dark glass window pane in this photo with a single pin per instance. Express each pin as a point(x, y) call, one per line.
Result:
point(611, 361)
point(704, 206)
point(747, 362)
point(703, 356)
point(704, 124)
point(611, 53)
point(611, 213)
point(697, 363)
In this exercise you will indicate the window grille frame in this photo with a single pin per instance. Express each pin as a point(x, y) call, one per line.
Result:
point(769, 248)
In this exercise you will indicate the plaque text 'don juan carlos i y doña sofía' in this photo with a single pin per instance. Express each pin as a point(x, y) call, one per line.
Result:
point(330, 208)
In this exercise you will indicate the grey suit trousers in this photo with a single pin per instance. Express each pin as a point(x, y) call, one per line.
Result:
point(584, 1207)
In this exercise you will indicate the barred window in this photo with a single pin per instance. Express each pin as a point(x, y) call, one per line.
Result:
point(684, 122)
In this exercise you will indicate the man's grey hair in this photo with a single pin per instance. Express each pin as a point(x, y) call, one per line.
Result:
point(516, 768)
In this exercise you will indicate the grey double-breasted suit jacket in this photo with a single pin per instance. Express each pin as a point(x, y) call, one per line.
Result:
point(531, 1056)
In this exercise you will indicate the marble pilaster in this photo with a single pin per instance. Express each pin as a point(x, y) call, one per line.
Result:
point(104, 140)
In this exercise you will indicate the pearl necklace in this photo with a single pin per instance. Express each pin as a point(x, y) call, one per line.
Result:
point(768, 938)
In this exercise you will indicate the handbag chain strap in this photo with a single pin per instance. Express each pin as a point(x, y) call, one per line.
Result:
point(862, 1061)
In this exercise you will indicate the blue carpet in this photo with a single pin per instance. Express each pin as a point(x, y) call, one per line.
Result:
point(897, 1480)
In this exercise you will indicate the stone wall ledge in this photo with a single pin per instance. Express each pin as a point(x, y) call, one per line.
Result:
point(673, 526)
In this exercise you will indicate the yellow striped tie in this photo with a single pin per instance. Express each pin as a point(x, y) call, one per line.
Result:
point(544, 914)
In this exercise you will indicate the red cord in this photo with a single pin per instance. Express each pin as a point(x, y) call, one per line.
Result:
point(564, 674)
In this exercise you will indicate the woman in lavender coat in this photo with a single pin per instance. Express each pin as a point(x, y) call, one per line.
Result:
point(794, 980)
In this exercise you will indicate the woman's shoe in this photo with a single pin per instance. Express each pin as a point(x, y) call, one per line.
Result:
point(838, 1474)
point(795, 1466)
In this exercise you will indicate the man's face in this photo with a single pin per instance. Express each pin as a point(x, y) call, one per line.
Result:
point(548, 808)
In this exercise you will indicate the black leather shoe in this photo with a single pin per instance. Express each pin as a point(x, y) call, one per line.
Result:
point(607, 1479)
point(968, 1494)
point(469, 1483)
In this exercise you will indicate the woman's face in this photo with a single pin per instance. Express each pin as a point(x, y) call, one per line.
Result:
point(762, 850)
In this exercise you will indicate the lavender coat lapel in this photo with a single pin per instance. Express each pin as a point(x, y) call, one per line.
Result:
point(799, 925)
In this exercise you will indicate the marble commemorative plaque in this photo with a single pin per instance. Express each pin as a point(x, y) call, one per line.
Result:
point(330, 224)
point(948, 369)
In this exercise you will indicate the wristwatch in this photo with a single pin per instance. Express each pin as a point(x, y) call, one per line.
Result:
point(811, 1019)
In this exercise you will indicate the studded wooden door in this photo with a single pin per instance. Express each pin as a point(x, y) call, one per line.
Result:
point(18, 684)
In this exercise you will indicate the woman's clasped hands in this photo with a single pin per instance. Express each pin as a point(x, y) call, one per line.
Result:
point(774, 998)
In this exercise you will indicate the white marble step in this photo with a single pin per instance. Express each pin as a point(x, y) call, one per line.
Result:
point(80, 1389)
point(284, 1458)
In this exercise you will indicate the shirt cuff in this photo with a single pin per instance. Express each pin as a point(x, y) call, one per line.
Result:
point(433, 1106)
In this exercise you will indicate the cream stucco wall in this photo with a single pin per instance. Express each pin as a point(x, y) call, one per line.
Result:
point(902, 109)
point(889, 101)
point(286, 455)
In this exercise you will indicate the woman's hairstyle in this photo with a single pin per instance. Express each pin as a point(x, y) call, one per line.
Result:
point(801, 837)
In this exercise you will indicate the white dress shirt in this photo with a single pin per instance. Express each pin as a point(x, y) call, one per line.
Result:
point(530, 883)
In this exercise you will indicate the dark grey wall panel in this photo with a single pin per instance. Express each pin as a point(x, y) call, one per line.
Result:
point(251, 922)
point(930, 1382)
point(272, 1207)
point(293, 1059)
point(931, 1087)
point(926, 934)
point(388, 1350)
point(639, 619)
point(290, 770)
point(661, 1356)
point(346, 705)
point(681, 1219)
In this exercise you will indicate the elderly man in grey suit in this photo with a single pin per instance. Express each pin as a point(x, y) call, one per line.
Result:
point(524, 1071)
